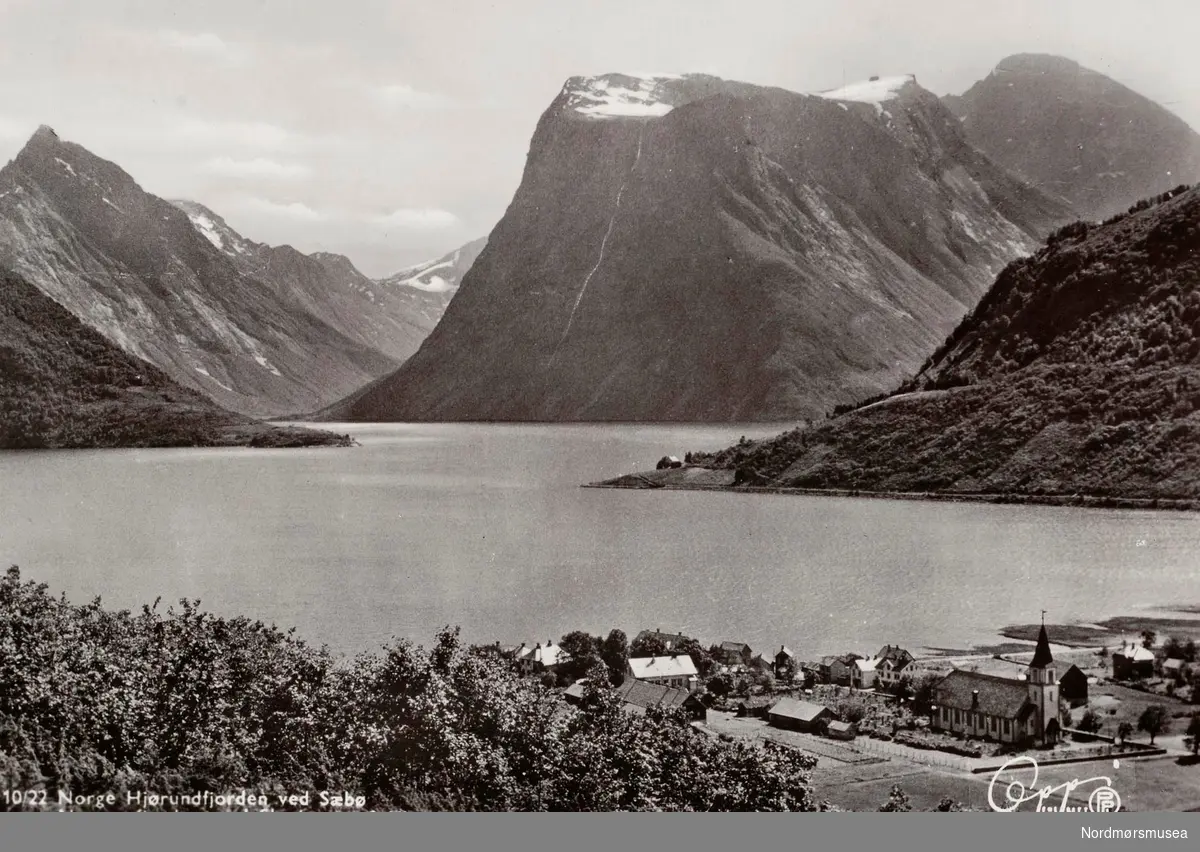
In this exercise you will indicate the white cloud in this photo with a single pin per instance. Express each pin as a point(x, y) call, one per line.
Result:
point(259, 167)
point(209, 45)
point(286, 210)
point(417, 219)
point(403, 95)
point(250, 134)
point(11, 128)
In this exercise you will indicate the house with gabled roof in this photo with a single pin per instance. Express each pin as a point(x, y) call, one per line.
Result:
point(797, 715)
point(637, 696)
point(540, 658)
point(1132, 661)
point(892, 661)
point(735, 653)
point(863, 674)
point(675, 670)
point(838, 668)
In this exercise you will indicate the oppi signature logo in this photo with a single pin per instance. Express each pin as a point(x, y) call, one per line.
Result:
point(1023, 788)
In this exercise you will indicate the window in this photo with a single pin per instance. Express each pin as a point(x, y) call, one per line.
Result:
point(1007, 726)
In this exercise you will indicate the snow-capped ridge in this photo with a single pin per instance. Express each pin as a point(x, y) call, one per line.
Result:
point(620, 95)
point(876, 91)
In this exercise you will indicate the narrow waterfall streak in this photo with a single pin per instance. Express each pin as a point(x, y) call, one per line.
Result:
point(603, 245)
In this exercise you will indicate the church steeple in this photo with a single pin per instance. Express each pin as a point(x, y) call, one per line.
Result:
point(1043, 687)
point(1042, 656)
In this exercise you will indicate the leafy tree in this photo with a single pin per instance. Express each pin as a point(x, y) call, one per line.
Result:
point(615, 654)
point(1193, 733)
point(923, 694)
point(1148, 637)
point(584, 652)
point(181, 701)
point(701, 659)
point(720, 685)
point(1124, 730)
point(1154, 720)
point(1091, 722)
point(852, 710)
point(897, 801)
point(648, 646)
point(948, 805)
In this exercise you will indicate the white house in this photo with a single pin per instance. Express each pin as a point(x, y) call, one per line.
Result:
point(675, 670)
point(863, 674)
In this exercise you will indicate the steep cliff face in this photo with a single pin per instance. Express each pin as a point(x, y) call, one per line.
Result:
point(1077, 374)
point(134, 268)
point(688, 248)
point(1077, 133)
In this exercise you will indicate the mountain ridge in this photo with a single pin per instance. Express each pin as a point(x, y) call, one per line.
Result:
point(1078, 374)
point(671, 216)
point(1077, 133)
point(133, 267)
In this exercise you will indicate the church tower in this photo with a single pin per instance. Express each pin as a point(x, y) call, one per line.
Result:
point(1043, 688)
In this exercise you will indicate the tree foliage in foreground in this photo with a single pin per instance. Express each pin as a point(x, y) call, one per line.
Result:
point(179, 701)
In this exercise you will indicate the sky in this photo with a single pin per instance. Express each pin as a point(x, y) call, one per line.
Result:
point(394, 132)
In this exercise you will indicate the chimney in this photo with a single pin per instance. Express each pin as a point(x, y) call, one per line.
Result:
point(974, 699)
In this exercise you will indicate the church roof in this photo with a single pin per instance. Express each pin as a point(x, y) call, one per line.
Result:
point(1042, 656)
point(998, 696)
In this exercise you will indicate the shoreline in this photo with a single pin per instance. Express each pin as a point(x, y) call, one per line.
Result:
point(642, 482)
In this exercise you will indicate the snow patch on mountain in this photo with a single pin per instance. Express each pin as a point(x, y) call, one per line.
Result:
point(876, 92)
point(207, 228)
point(66, 166)
point(619, 95)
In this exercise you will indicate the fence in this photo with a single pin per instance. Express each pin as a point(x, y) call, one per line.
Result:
point(915, 755)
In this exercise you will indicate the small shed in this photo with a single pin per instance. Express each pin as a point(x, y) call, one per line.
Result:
point(840, 730)
point(1173, 667)
point(669, 462)
point(796, 715)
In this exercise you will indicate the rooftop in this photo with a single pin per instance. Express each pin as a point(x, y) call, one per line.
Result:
point(792, 708)
point(1003, 697)
point(679, 665)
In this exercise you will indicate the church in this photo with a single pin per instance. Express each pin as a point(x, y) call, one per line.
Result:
point(1000, 708)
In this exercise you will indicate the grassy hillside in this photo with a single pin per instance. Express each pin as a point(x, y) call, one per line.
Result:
point(178, 702)
point(1077, 373)
point(62, 384)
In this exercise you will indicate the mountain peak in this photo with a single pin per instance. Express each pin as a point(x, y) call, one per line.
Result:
point(632, 95)
point(42, 138)
point(1036, 63)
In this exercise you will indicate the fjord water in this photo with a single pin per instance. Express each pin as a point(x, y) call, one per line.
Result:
point(485, 526)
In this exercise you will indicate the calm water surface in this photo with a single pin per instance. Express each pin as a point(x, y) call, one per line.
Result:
point(485, 526)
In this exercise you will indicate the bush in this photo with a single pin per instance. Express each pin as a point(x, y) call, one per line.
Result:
point(181, 701)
